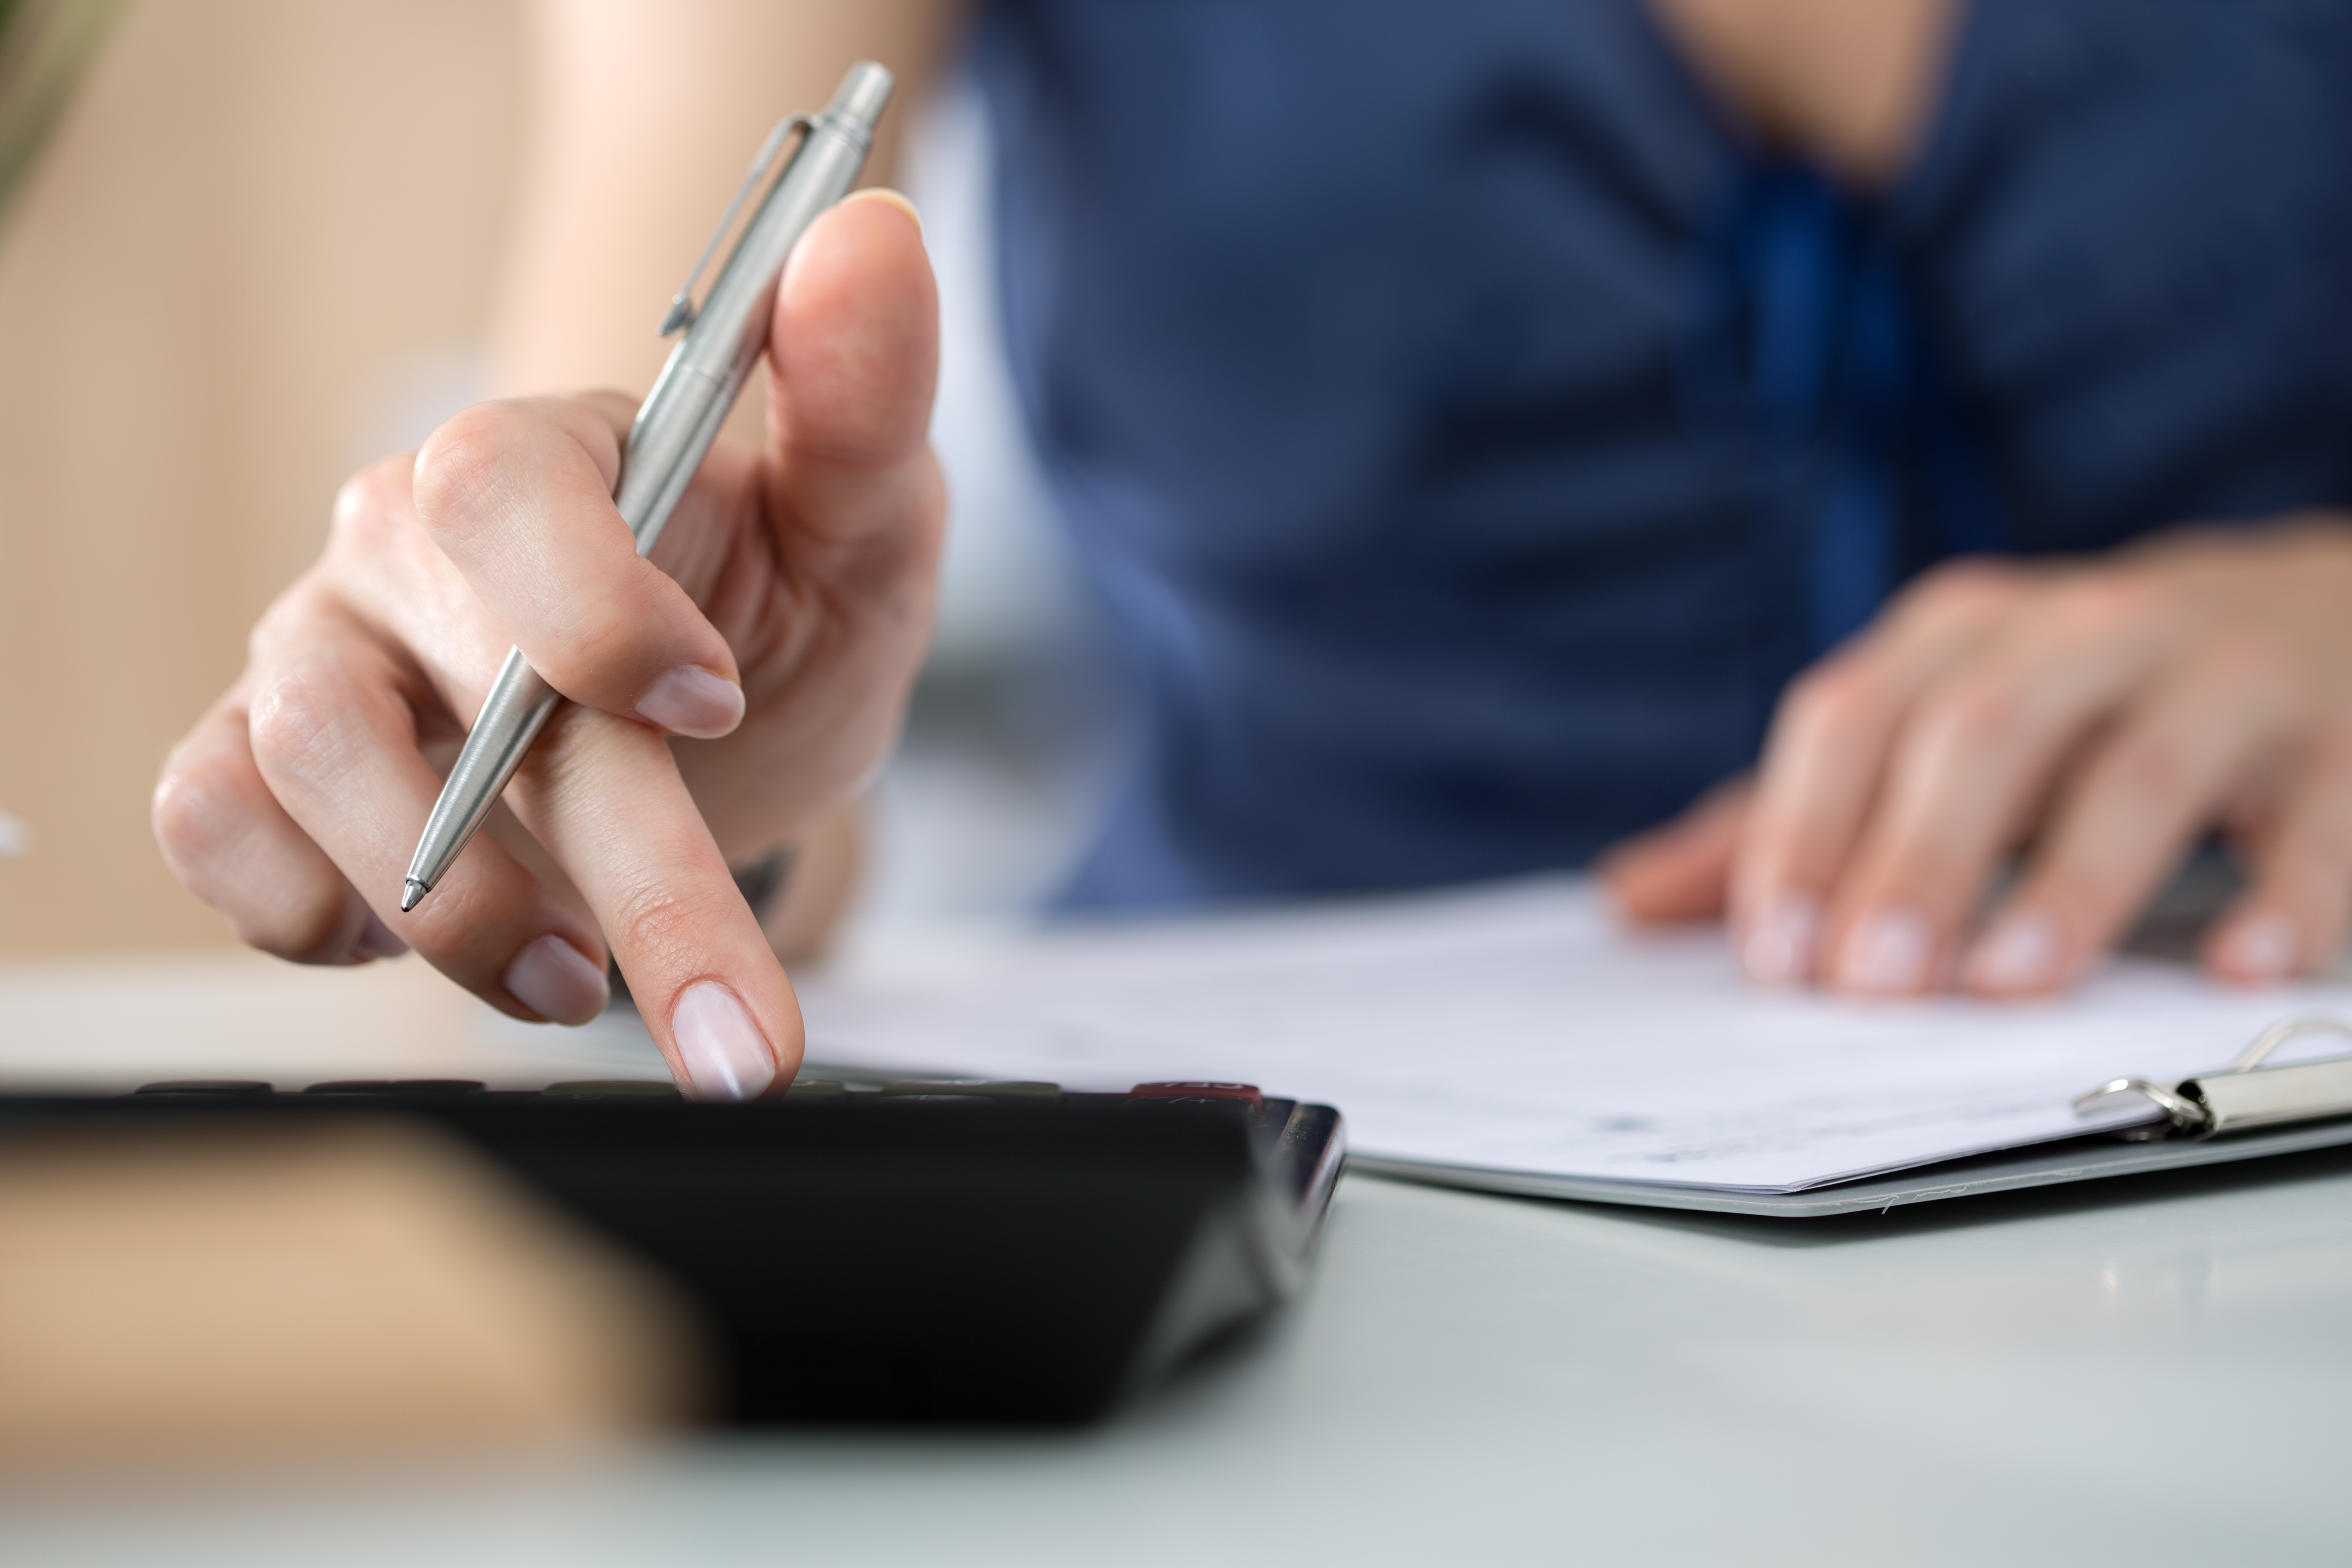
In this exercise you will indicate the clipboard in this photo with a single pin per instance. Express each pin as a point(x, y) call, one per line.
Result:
point(2244, 1111)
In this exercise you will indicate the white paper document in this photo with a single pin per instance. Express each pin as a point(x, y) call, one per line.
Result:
point(1518, 1030)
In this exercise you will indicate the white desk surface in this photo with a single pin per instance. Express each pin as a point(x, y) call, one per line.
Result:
point(2159, 1371)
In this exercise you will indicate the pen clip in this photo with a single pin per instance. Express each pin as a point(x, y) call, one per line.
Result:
point(681, 304)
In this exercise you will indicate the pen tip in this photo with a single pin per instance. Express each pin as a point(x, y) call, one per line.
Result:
point(413, 895)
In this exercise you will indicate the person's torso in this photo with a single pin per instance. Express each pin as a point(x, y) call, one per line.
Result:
point(1447, 403)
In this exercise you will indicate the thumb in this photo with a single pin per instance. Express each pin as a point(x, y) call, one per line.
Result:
point(853, 362)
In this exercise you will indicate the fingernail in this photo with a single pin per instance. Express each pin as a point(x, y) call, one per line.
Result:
point(889, 197)
point(1887, 952)
point(376, 939)
point(726, 1056)
point(1776, 947)
point(2019, 953)
point(556, 981)
point(691, 700)
point(2262, 947)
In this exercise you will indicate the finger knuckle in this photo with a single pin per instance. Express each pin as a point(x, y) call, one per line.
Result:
point(461, 468)
point(299, 718)
point(1836, 701)
point(891, 568)
point(593, 645)
point(195, 808)
point(288, 620)
point(1976, 717)
point(662, 925)
point(372, 504)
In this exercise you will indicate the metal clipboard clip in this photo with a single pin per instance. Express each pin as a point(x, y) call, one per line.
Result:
point(2245, 1095)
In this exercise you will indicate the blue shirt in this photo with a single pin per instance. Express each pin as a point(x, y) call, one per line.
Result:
point(1469, 432)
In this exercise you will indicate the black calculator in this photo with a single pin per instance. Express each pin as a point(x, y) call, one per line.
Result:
point(923, 1250)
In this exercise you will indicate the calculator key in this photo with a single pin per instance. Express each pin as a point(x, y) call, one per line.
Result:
point(1246, 1093)
point(611, 1089)
point(968, 1089)
point(397, 1086)
point(236, 1088)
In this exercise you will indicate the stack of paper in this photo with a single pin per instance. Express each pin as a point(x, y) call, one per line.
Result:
point(1518, 1029)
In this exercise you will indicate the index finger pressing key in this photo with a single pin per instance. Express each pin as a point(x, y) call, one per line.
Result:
point(604, 796)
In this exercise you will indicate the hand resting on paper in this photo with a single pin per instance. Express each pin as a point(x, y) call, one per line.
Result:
point(2094, 718)
point(780, 626)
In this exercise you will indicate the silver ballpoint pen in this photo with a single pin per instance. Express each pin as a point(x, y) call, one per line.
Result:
point(675, 426)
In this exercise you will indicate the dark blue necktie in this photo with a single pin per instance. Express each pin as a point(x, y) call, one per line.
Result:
point(1809, 330)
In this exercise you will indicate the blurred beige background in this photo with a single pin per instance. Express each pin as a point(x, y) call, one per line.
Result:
point(259, 251)
point(231, 277)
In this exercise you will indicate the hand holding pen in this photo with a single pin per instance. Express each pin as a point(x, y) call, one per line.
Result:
point(778, 623)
